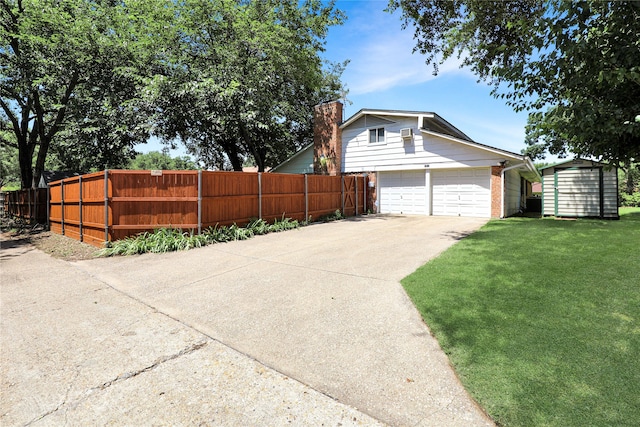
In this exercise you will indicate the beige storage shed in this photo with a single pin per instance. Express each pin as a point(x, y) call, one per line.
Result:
point(580, 188)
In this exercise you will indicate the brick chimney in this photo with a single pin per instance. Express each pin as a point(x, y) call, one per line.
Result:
point(327, 138)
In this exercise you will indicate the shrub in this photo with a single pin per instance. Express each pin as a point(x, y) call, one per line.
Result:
point(630, 200)
point(174, 239)
point(337, 215)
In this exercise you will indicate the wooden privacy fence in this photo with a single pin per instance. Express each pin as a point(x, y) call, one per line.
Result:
point(30, 204)
point(114, 204)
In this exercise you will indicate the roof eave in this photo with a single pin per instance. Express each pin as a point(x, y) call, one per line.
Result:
point(395, 113)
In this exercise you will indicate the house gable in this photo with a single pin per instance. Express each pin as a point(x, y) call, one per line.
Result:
point(425, 149)
point(300, 162)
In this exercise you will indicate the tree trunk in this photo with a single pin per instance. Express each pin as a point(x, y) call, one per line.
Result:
point(630, 184)
point(26, 174)
point(235, 161)
point(42, 156)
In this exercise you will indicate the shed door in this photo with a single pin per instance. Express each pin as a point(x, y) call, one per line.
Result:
point(462, 192)
point(403, 192)
point(577, 192)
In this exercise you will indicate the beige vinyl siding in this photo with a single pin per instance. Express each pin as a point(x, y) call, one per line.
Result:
point(578, 190)
point(610, 193)
point(548, 193)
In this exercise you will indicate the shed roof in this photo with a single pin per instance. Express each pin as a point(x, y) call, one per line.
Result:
point(577, 161)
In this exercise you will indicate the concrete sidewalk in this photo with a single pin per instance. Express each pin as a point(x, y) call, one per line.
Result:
point(308, 327)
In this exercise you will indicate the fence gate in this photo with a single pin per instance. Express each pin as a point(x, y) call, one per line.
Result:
point(349, 195)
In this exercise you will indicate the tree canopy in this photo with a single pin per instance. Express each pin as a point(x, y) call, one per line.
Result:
point(245, 77)
point(69, 72)
point(158, 160)
point(573, 65)
point(83, 81)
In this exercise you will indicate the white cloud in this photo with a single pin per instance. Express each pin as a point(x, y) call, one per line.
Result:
point(381, 55)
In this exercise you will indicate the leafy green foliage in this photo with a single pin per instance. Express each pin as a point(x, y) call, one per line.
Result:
point(630, 200)
point(9, 168)
point(244, 77)
point(572, 64)
point(540, 318)
point(171, 239)
point(70, 80)
point(83, 81)
point(335, 216)
point(157, 160)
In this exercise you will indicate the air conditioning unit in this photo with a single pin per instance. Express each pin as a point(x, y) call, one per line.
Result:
point(406, 134)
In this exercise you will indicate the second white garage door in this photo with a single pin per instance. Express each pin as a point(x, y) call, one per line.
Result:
point(403, 192)
point(464, 192)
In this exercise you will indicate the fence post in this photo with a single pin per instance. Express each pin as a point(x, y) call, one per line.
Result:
point(306, 198)
point(48, 207)
point(342, 192)
point(259, 195)
point(62, 206)
point(106, 205)
point(80, 208)
point(200, 201)
point(29, 204)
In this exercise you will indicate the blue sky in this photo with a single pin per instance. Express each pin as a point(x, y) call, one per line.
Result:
point(383, 73)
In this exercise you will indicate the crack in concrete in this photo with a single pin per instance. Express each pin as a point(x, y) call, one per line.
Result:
point(157, 363)
point(122, 377)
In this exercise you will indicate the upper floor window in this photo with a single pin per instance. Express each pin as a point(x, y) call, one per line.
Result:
point(376, 135)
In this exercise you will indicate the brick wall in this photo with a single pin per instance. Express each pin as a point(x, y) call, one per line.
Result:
point(327, 138)
point(496, 191)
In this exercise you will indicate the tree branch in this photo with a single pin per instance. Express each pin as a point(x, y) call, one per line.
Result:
point(12, 117)
point(63, 101)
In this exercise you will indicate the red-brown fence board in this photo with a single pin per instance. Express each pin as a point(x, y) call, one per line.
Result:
point(55, 207)
point(228, 198)
point(30, 204)
point(93, 208)
point(88, 209)
point(325, 195)
point(283, 195)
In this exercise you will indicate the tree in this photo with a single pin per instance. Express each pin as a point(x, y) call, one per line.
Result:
point(244, 78)
point(573, 65)
point(157, 160)
point(69, 72)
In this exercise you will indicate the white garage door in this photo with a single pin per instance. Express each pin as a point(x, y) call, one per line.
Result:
point(464, 192)
point(403, 192)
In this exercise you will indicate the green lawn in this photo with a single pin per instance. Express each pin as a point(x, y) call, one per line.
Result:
point(541, 318)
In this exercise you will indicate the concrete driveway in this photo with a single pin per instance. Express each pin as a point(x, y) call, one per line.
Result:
point(306, 327)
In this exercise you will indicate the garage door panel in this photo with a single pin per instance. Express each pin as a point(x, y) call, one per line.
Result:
point(403, 192)
point(464, 192)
